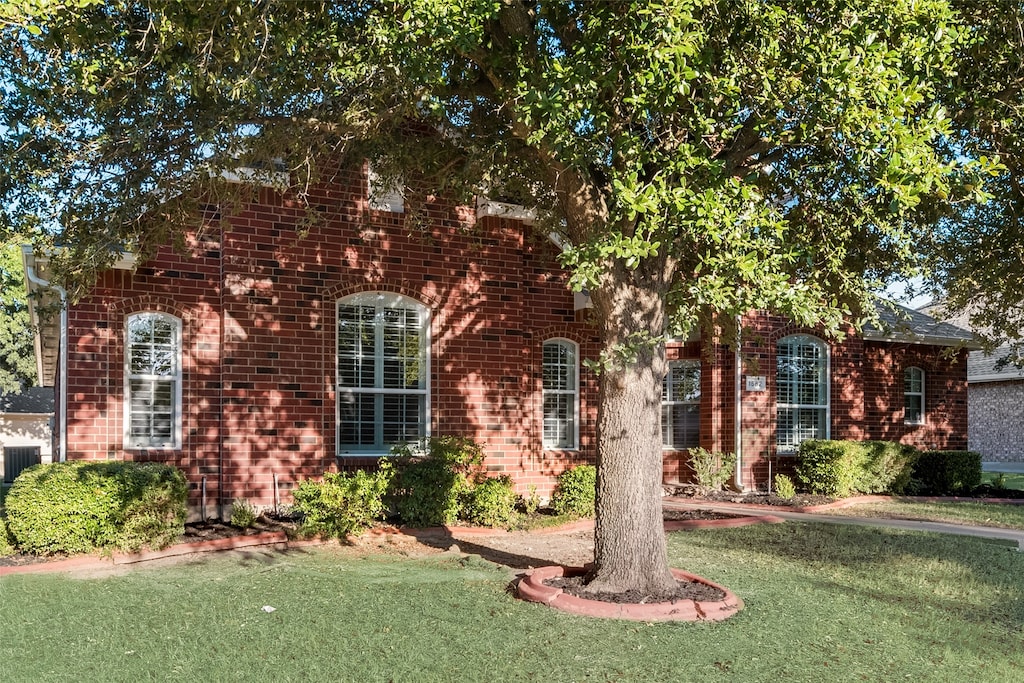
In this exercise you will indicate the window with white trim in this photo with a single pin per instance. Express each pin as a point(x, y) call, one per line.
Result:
point(152, 381)
point(680, 405)
point(561, 394)
point(913, 396)
point(382, 372)
point(802, 391)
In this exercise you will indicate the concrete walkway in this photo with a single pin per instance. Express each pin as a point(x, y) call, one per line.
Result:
point(1012, 535)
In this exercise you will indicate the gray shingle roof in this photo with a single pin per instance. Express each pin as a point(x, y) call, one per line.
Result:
point(38, 400)
point(988, 368)
point(899, 323)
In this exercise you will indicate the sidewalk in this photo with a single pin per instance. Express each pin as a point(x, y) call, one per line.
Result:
point(1014, 467)
point(1012, 535)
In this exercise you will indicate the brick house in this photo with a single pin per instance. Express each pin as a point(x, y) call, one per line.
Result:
point(995, 407)
point(273, 351)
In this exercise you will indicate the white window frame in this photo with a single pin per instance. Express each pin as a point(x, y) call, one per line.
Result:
point(791, 445)
point(381, 301)
point(908, 392)
point(571, 441)
point(175, 378)
point(670, 400)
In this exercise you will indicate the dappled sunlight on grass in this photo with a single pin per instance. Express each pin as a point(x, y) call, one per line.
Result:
point(822, 603)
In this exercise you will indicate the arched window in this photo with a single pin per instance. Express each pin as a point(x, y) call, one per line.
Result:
point(802, 391)
point(382, 372)
point(913, 396)
point(152, 381)
point(680, 405)
point(561, 394)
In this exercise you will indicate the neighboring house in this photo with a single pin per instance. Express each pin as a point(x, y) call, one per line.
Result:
point(25, 430)
point(274, 351)
point(995, 398)
point(995, 407)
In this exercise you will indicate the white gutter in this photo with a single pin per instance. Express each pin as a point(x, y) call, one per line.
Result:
point(62, 398)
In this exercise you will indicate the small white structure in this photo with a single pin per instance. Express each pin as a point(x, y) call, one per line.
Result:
point(26, 430)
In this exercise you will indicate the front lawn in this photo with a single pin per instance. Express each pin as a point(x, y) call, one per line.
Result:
point(823, 603)
point(977, 514)
point(1011, 480)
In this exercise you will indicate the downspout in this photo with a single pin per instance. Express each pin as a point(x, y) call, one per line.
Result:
point(738, 426)
point(62, 349)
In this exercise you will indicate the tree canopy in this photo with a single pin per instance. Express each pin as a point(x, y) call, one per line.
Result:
point(17, 359)
point(700, 159)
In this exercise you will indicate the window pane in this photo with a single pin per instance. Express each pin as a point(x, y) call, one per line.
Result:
point(802, 387)
point(680, 413)
point(382, 372)
point(153, 352)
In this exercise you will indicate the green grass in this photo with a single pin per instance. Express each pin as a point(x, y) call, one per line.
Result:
point(1011, 480)
point(977, 514)
point(822, 603)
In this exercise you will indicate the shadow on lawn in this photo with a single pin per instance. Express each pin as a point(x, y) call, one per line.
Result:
point(443, 540)
point(879, 559)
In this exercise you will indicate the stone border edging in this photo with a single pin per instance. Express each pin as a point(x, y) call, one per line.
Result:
point(533, 589)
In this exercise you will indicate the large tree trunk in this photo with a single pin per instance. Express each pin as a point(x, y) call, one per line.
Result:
point(630, 551)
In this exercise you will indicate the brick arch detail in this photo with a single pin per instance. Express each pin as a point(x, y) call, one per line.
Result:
point(148, 303)
point(342, 289)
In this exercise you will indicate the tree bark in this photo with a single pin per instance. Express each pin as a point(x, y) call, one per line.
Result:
point(630, 551)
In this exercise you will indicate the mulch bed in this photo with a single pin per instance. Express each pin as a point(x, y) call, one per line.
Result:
point(685, 590)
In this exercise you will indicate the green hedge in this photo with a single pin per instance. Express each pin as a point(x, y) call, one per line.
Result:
point(343, 504)
point(576, 492)
point(492, 503)
point(434, 479)
point(845, 468)
point(76, 507)
point(942, 473)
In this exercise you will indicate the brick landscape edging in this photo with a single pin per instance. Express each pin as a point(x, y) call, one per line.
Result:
point(533, 589)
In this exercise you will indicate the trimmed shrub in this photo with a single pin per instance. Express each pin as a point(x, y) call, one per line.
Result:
point(712, 470)
point(576, 492)
point(942, 473)
point(433, 480)
point(845, 468)
point(492, 503)
point(830, 468)
point(343, 504)
point(784, 487)
point(243, 514)
point(6, 542)
point(76, 507)
point(888, 466)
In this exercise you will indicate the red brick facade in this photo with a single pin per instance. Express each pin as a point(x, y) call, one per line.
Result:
point(256, 295)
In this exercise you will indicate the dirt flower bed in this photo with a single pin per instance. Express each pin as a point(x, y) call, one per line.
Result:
point(685, 590)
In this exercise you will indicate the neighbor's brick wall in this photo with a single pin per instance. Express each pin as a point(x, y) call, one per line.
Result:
point(257, 303)
point(996, 420)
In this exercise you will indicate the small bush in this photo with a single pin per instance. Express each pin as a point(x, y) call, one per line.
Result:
point(433, 480)
point(942, 473)
point(243, 514)
point(343, 504)
point(576, 492)
point(531, 501)
point(75, 507)
point(712, 470)
point(492, 503)
point(830, 468)
point(6, 542)
point(887, 466)
point(784, 487)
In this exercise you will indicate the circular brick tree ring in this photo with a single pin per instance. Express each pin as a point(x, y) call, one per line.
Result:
point(532, 587)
